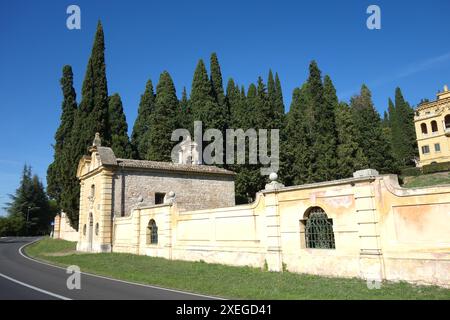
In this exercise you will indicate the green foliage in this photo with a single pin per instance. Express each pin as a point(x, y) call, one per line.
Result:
point(436, 167)
point(163, 121)
point(370, 135)
point(402, 132)
point(141, 125)
point(410, 172)
point(29, 212)
point(120, 142)
point(56, 170)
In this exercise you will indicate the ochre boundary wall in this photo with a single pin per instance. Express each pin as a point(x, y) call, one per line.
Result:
point(382, 231)
point(63, 230)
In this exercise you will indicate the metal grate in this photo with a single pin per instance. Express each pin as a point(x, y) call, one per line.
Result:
point(152, 232)
point(319, 230)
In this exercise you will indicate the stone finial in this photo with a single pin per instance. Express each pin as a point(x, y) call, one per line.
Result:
point(97, 141)
point(445, 88)
point(365, 173)
point(274, 184)
point(169, 197)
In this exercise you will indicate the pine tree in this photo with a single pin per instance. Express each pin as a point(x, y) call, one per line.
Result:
point(370, 136)
point(63, 136)
point(141, 125)
point(350, 156)
point(120, 142)
point(29, 206)
point(163, 120)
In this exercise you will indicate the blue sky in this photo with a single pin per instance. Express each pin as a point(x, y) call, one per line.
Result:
point(143, 38)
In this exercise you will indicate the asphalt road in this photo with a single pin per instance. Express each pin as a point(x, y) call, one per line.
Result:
point(23, 278)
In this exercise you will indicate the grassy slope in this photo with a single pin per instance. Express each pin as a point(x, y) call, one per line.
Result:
point(226, 281)
point(427, 180)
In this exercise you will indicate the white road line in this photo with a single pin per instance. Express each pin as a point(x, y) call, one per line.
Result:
point(117, 280)
point(34, 288)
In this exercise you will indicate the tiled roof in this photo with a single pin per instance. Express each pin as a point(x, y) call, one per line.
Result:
point(169, 166)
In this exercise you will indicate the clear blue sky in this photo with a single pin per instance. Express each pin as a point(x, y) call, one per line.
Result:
point(144, 38)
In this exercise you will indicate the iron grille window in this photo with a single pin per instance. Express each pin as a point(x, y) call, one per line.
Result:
point(319, 230)
point(159, 197)
point(152, 232)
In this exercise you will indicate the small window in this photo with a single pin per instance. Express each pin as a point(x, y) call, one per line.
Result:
point(425, 149)
point(159, 197)
point(434, 126)
point(437, 147)
point(319, 230)
point(96, 229)
point(424, 128)
point(84, 230)
point(152, 232)
point(447, 121)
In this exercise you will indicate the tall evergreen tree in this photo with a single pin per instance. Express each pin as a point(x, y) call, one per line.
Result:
point(120, 143)
point(29, 206)
point(403, 138)
point(370, 136)
point(91, 117)
point(216, 82)
point(350, 156)
point(185, 114)
point(141, 125)
point(275, 97)
point(55, 172)
point(163, 120)
point(324, 102)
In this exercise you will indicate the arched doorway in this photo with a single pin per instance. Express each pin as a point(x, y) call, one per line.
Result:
point(91, 230)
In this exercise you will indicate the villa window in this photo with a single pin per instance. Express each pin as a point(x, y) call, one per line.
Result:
point(424, 128)
point(434, 126)
point(84, 230)
point(159, 197)
point(152, 232)
point(96, 229)
point(437, 147)
point(447, 121)
point(425, 149)
point(319, 230)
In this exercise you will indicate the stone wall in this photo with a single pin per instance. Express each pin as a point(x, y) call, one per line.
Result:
point(381, 231)
point(63, 230)
point(194, 191)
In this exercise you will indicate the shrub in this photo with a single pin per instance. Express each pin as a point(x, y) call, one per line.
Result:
point(411, 172)
point(436, 167)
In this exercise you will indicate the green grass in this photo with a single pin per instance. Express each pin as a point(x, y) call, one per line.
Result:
point(226, 281)
point(427, 180)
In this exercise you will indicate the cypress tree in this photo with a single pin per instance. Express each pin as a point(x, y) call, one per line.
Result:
point(91, 117)
point(350, 156)
point(296, 159)
point(233, 97)
point(163, 120)
point(275, 97)
point(185, 114)
point(279, 103)
point(370, 136)
point(120, 142)
point(141, 125)
point(324, 101)
point(216, 82)
point(55, 172)
point(402, 131)
point(94, 104)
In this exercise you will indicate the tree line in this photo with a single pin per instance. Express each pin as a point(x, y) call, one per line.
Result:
point(321, 138)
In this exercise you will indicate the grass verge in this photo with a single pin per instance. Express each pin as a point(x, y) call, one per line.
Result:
point(427, 180)
point(224, 281)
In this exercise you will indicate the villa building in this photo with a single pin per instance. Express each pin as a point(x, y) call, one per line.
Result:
point(432, 123)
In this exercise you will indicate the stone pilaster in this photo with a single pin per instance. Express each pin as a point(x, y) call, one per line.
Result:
point(104, 209)
point(371, 255)
point(273, 236)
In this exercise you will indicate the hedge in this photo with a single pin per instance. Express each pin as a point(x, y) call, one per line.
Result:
point(410, 172)
point(436, 167)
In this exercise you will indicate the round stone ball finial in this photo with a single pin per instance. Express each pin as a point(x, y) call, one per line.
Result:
point(273, 176)
point(171, 194)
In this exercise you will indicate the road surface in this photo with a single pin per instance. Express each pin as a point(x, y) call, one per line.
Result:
point(24, 278)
